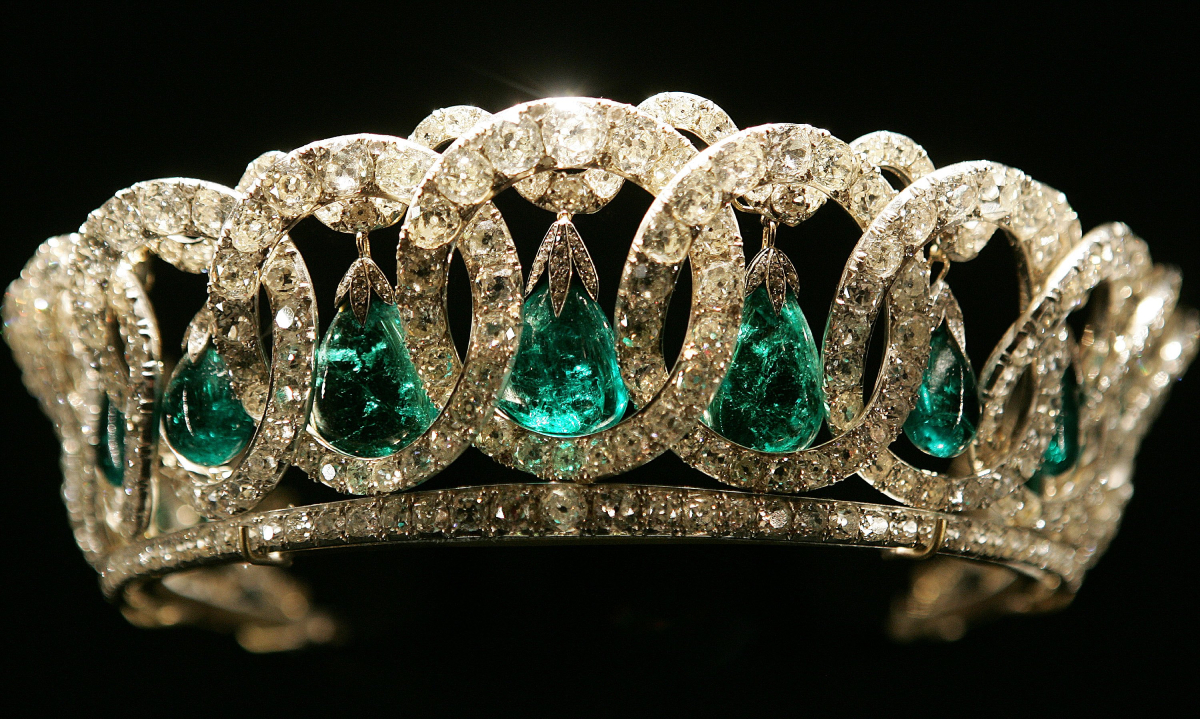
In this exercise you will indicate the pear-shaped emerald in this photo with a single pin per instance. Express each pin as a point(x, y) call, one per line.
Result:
point(565, 379)
point(203, 419)
point(369, 398)
point(1063, 450)
point(110, 444)
point(770, 399)
point(946, 412)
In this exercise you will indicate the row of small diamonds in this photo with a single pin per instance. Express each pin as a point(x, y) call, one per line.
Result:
point(566, 510)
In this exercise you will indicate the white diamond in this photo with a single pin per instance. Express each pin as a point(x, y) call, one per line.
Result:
point(795, 203)
point(604, 184)
point(669, 165)
point(634, 143)
point(120, 224)
point(432, 222)
point(164, 209)
point(832, 164)
point(667, 241)
point(738, 167)
point(916, 220)
point(210, 210)
point(696, 198)
point(291, 186)
point(465, 176)
point(792, 154)
point(563, 508)
point(882, 254)
point(536, 186)
point(572, 132)
point(400, 169)
point(348, 169)
point(255, 226)
point(958, 202)
point(514, 148)
point(874, 527)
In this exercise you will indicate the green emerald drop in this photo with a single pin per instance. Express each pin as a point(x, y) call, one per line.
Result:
point(1063, 450)
point(110, 449)
point(565, 379)
point(946, 413)
point(770, 399)
point(369, 398)
point(203, 419)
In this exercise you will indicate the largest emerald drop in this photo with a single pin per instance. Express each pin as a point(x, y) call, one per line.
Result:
point(565, 379)
point(369, 401)
point(770, 399)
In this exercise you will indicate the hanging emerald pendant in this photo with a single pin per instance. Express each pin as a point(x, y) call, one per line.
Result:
point(203, 420)
point(565, 379)
point(369, 399)
point(770, 399)
point(945, 414)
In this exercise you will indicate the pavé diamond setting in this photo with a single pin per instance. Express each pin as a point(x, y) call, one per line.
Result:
point(168, 475)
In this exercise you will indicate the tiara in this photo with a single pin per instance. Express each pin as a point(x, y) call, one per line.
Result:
point(172, 469)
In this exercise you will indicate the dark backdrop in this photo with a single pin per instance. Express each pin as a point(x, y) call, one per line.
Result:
point(1097, 105)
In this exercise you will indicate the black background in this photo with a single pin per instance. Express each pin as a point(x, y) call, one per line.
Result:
point(1097, 105)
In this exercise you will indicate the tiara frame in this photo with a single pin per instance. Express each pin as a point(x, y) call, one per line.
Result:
point(81, 326)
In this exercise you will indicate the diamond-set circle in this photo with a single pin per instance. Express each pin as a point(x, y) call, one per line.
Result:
point(785, 154)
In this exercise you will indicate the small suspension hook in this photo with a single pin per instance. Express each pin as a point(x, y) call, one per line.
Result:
point(770, 227)
point(364, 244)
point(936, 255)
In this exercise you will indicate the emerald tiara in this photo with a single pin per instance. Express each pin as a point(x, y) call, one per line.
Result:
point(170, 466)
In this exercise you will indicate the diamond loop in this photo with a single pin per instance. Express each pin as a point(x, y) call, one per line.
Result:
point(462, 391)
point(179, 220)
point(805, 160)
point(576, 133)
point(1003, 461)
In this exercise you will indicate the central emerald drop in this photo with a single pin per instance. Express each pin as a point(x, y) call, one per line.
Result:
point(946, 412)
point(770, 399)
point(202, 417)
point(565, 379)
point(369, 398)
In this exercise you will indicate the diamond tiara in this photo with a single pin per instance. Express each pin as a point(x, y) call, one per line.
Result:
point(170, 478)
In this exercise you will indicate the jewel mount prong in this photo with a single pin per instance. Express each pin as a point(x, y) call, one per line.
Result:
point(362, 279)
point(772, 268)
point(562, 252)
